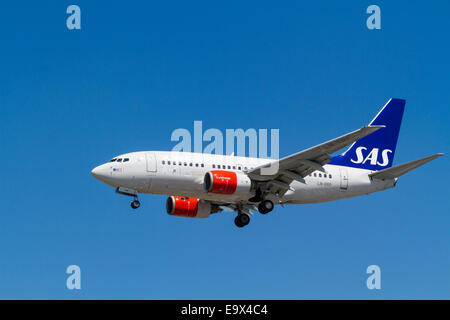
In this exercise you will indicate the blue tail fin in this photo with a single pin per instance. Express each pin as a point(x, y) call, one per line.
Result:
point(376, 151)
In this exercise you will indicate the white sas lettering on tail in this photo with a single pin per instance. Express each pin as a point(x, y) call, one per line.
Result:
point(372, 156)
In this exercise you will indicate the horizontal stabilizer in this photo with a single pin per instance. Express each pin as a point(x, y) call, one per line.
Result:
point(397, 171)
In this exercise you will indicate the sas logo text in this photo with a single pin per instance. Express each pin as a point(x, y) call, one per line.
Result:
point(372, 156)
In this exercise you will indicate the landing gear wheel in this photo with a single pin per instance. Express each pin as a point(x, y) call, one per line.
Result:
point(265, 206)
point(242, 220)
point(135, 204)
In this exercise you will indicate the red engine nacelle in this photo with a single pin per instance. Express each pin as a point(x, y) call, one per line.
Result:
point(226, 182)
point(188, 207)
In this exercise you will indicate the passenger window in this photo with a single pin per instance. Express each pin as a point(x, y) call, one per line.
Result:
point(202, 165)
point(185, 164)
point(234, 167)
point(179, 163)
point(320, 175)
point(324, 175)
point(245, 168)
point(213, 166)
point(163, 162)
point(196, 164)
point(229, 167)
point(239, 168)
point(315, 175)
point(168, 162)
point(190, 164)
point(329, 176)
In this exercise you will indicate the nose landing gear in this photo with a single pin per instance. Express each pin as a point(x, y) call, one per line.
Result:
point(135, 204)
point(131, 193)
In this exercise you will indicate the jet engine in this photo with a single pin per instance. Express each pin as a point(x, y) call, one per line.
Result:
point(227, 182)
point(188, 207)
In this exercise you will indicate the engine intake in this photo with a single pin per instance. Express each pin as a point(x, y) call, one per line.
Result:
point(188, 207)
point(227, 182)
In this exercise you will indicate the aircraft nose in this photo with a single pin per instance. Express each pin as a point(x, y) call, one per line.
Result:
point(95, 172)
point(99, 172)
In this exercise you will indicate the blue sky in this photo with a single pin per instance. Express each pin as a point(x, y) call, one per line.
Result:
point(70, 100)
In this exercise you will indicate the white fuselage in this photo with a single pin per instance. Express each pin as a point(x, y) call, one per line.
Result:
point(182, 174)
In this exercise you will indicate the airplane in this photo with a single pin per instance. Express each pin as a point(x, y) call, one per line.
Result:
point(199, 184)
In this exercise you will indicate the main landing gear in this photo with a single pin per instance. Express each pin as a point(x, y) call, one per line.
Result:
point(242, 219)
point(265, 206)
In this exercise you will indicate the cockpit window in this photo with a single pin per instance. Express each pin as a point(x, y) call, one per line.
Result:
point(126, 159)
point(112, 160)
point(119, 160)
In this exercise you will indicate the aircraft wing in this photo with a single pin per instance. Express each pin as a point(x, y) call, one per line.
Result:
point(278, 174)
